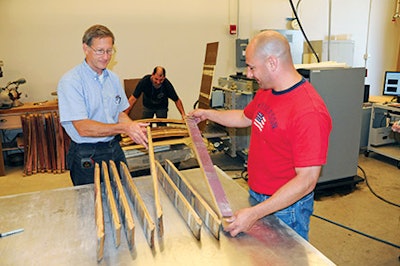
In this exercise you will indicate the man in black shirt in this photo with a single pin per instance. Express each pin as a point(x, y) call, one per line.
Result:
point(156, 89)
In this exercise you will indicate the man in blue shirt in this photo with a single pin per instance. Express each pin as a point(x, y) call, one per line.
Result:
point(91, 104)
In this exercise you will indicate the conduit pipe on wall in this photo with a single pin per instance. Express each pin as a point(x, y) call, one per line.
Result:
point(397, 11)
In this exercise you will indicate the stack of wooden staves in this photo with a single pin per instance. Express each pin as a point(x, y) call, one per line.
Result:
point(45, 143)
point(174, 128)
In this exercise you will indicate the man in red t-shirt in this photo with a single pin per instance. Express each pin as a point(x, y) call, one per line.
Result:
point(290, 127)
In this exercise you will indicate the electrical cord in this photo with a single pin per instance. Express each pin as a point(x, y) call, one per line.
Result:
point(302, 30)
point(359, 232)
point(298, 5)
point(356, 231)
point(196, 103)
point(373, 192)
point(244, 174)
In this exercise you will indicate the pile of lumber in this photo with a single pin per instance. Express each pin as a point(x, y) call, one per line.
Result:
point(45, 143)
point(173, 129)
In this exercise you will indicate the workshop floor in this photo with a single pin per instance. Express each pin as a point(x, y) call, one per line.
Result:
point(352, 228)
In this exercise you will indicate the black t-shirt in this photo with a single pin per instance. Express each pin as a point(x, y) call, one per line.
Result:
point(155, 98)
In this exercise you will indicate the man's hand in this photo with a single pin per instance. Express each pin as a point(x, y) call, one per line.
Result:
point(138, 133)
point(198, 114)
point(396, 126)
point(242, 221)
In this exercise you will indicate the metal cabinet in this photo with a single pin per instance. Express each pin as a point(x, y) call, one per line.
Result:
point(342, 90)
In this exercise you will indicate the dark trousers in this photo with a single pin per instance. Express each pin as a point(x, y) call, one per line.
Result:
point(81, 159)
point(160, 113)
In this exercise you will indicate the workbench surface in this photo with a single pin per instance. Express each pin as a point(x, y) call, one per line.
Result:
point(31, 108)
point(59, 229)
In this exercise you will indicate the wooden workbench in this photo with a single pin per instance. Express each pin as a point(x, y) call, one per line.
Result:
point(11, 119)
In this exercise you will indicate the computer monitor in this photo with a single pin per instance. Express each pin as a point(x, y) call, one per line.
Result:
point(391, 85)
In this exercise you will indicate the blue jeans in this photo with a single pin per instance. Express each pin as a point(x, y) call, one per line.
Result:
point(296, 216)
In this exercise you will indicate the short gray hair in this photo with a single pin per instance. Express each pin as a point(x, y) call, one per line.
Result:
point(96, 31)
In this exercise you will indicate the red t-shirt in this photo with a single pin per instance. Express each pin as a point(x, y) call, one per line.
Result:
point(289, 129)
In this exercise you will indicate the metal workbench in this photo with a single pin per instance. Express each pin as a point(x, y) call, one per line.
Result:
point(59, 229)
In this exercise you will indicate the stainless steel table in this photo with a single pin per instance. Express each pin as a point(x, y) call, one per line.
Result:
point(59, 229)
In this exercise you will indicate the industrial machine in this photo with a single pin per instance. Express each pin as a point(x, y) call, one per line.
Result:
point(9, 95)
point(234, 92)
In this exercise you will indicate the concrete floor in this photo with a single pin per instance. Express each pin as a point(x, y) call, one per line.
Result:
point(361, 228)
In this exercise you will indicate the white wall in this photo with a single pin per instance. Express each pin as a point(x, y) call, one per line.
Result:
point(379, 38)
point(40, 40)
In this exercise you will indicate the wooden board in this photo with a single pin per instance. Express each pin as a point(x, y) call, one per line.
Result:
point(41, 140)
point(139, 206)
point(207, 214)
point(137, 110)
point(44, 159)
point(57, 141)
point(159, 213)
point(160, 133)
point(98, 213)
point(207, 78)
point(208, 170)
point(27, 147)
point(185, 140)
point(123, 205)
point(51, 142)
point(111, 204)
point(180, 202)
point(175, 128)
point(208, 74)
point(162, 120)
point(34, 142)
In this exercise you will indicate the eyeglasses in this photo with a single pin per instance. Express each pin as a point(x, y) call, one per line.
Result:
point(102, 52)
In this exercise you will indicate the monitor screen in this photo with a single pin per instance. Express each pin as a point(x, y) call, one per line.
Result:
point(392, 83)
point(391, 86)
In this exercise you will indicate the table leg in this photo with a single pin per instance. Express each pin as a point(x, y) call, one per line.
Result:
point(2, 169)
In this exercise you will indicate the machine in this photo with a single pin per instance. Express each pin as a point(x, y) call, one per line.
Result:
point(9, 95)
point(231, 93)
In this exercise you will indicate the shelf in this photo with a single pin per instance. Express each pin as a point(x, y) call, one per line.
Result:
point(17, 144)
point(391, 150)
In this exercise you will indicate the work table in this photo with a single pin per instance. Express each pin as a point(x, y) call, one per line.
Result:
point(59, 227)
point(31, 107)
